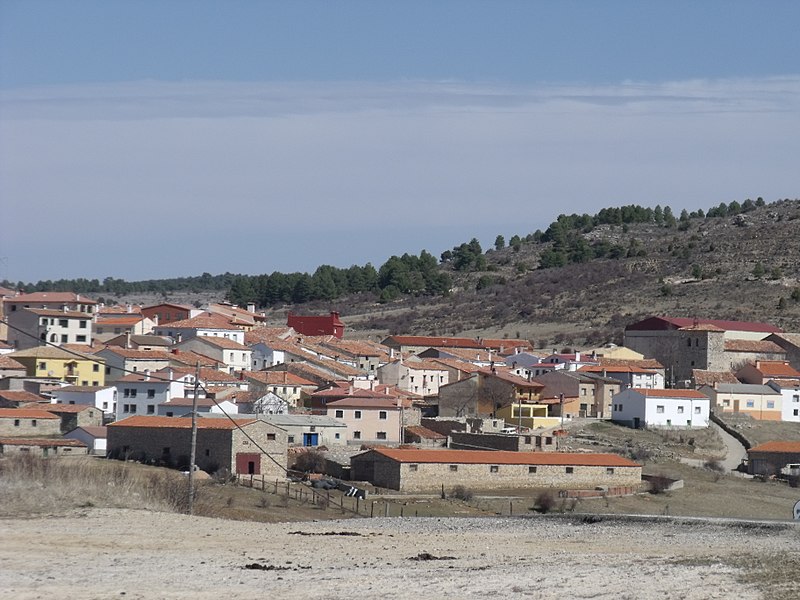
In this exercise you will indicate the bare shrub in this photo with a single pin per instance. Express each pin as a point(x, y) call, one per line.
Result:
point(460, 492)
point(659, 484)
point(310, 462)
point(714, 465)
point(545, 502)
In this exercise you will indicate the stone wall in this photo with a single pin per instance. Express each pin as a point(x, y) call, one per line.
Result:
point(29, 427)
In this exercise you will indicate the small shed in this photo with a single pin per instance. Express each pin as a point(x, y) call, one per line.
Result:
point(770, 458)
point(94, 437)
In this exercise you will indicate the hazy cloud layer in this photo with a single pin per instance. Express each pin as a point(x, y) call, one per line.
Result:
point(150, 179)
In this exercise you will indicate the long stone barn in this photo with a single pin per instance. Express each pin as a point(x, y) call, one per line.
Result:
point(221, 443)
point(411, 470)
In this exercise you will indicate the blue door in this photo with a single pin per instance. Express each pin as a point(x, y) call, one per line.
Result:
point(310, 439)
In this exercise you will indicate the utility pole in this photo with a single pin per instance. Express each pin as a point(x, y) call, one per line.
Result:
point(193, 451)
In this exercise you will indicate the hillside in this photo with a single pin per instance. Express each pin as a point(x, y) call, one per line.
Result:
point(737, 267)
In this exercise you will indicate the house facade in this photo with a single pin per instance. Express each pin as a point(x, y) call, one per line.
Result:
point(221, 444)
point(760, 402)
point(101, 397)
point(661, 408)
point(311, 325)
point(411, 470)
point(55, 363)
point(368, 420)
point(28, 422)
point(421, 377)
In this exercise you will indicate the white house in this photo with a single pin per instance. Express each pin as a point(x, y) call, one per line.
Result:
point(93, 436)
point(637, 407)
point(789, 390)
point(421, 377)
point(102, 397)
point(179, 407)
point(234, 355)
point(141, 393)
point(203, 325)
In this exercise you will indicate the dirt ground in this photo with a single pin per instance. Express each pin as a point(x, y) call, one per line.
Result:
point(122, 553)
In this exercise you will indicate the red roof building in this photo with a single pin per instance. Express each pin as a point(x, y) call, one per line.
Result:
point(309, 325)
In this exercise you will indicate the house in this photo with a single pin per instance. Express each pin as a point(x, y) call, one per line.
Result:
point(571, 361)
point(29, 327)
point(417, 376)
point(530, 415)
point(72, 415)
point(309, 325)
point(525, 442)
point(579, 393)
point(484, 392)
point(93, 437)
point(763, 371)
point(72, 367)
point(109, 326)
point(141, 393)
point(309, 430)
point(412, 470)
point(141, 342)
point(705, 344)
point(661, 408)
point(789, 390)
point(242, 446)
point(760, 402)
point(119, 361)
point(10, 367)
point(235, 355)
point(790, 344)
point(101, 397)
point(205, 324)
point(181, 407)
point(770, 458)
point(456, 369)
point(289, 387)
point(360, 354)
point(28, 422)
point(423, 437)
point(5, 293)
point(628, 375)
point(166, 312)
point(17, 398)
point(712, 379)
point(41, 447)
point(368, 420)
point(478, 357)
point(412, 344)
point(246, 319)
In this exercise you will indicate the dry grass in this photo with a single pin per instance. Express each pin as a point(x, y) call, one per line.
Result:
point(35, 485)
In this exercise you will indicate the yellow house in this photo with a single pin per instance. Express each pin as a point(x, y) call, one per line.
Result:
point(533, 416)
point(72, 367)
point(615, 352)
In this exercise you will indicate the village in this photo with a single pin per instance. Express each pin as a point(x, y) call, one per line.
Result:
point(407, 414)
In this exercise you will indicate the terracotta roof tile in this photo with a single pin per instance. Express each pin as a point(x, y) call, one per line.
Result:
point(42, 442)
point(760, 346)
point(777, 368)
point(65, 297)
point(202, 321)
point(779, 447)
point(278, 378)
point(180, 423)
point(650, 393)
point(25, 413)
point(434, 342)
point(20, 396)
point(712, 378)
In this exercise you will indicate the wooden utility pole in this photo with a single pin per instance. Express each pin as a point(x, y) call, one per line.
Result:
point(193, 451)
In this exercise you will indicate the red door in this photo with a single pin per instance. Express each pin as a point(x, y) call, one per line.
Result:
point(248, 463)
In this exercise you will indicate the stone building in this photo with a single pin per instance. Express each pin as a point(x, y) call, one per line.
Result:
point(221, 443)
point(772, 457)
point(484, 392)
point(411, 470)
point(540, 442)
point(28, 422)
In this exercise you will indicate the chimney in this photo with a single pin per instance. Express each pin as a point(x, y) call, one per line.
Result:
point(127, 340)
point(577, 356)
point(350, 391)
point(178, 338)
point(147, 374)
point(128, 308)
point(251, 307)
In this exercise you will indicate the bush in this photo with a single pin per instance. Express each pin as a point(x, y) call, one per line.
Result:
point(545, 502)
point(714, 465)
point(310, 462)
point(659, 484)
point(460, 492)
point(794, 481)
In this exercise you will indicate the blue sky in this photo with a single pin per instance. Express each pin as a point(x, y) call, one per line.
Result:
point(149, 139)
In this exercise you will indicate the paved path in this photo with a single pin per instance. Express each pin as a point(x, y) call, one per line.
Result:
point(734, 450)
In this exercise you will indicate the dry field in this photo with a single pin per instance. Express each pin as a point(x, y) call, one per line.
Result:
point(122, 553)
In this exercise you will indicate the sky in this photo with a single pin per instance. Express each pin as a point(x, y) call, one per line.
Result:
point(157, 139)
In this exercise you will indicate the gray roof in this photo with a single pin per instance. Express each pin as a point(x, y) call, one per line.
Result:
point(745, 388)
point(301, 420)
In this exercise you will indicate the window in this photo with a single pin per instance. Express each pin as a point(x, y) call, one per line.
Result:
point(151, 409)
point(697, 410)
point(133, 393)
point(356, 435)
point(750, 403)
point(381, 435)
point(339, 414)
point(453, 468)
point(528, 439)
point(105, 405)
point(95, 367)
point(336, 436)
point(126, 393)
point(796, 412)
point(42, 366)
point(680, 410)
point(165, 450)
point(16, 422)
point(689, 343)
point(531, 470)
point(382, 415)
point(660, 408)
point(795, 398)
point(609, 470)
point(271, 437)
point(494, 469)
point(63, 323)
point(82, 325)
point(770, 403)
point(33, 422)
point(412, 379)
point(85, 382)
point(108, 370)
point(548, 441)
point(99, 330)
point(290, 439)
point(133, 408)
point(208, 452)
point(412, 467)
point(95, 383)
point(44, 321)
point(357, 414)
point(151, 393)
point(570, 470)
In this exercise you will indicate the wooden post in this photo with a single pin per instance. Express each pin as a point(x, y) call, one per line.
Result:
point(251, 481)
point(357, 503)
point(510, 508)
point(327, 498)
point(386, 509)
point(276, 487)
point(372, 509)
point(401, 510)
point(263, 483)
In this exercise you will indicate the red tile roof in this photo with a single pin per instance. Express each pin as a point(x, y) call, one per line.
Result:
point(711, 378)
point(433, 342)
point(65, 297)
point(424, 433)
point(777, 368)
point(20, 396)
point(221, 342)
point(278, 378)
point(202, 321)
point(66, 408)
point(382, 403)
point(660, 323)
point(25, 413)
point(181, 422)
point(779, 447)
point(118, 320)
point(502, 457)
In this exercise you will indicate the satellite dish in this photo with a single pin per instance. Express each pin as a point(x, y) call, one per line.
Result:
point(797, 511)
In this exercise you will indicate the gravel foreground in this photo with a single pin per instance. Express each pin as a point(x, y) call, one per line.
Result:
point(108, 553)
